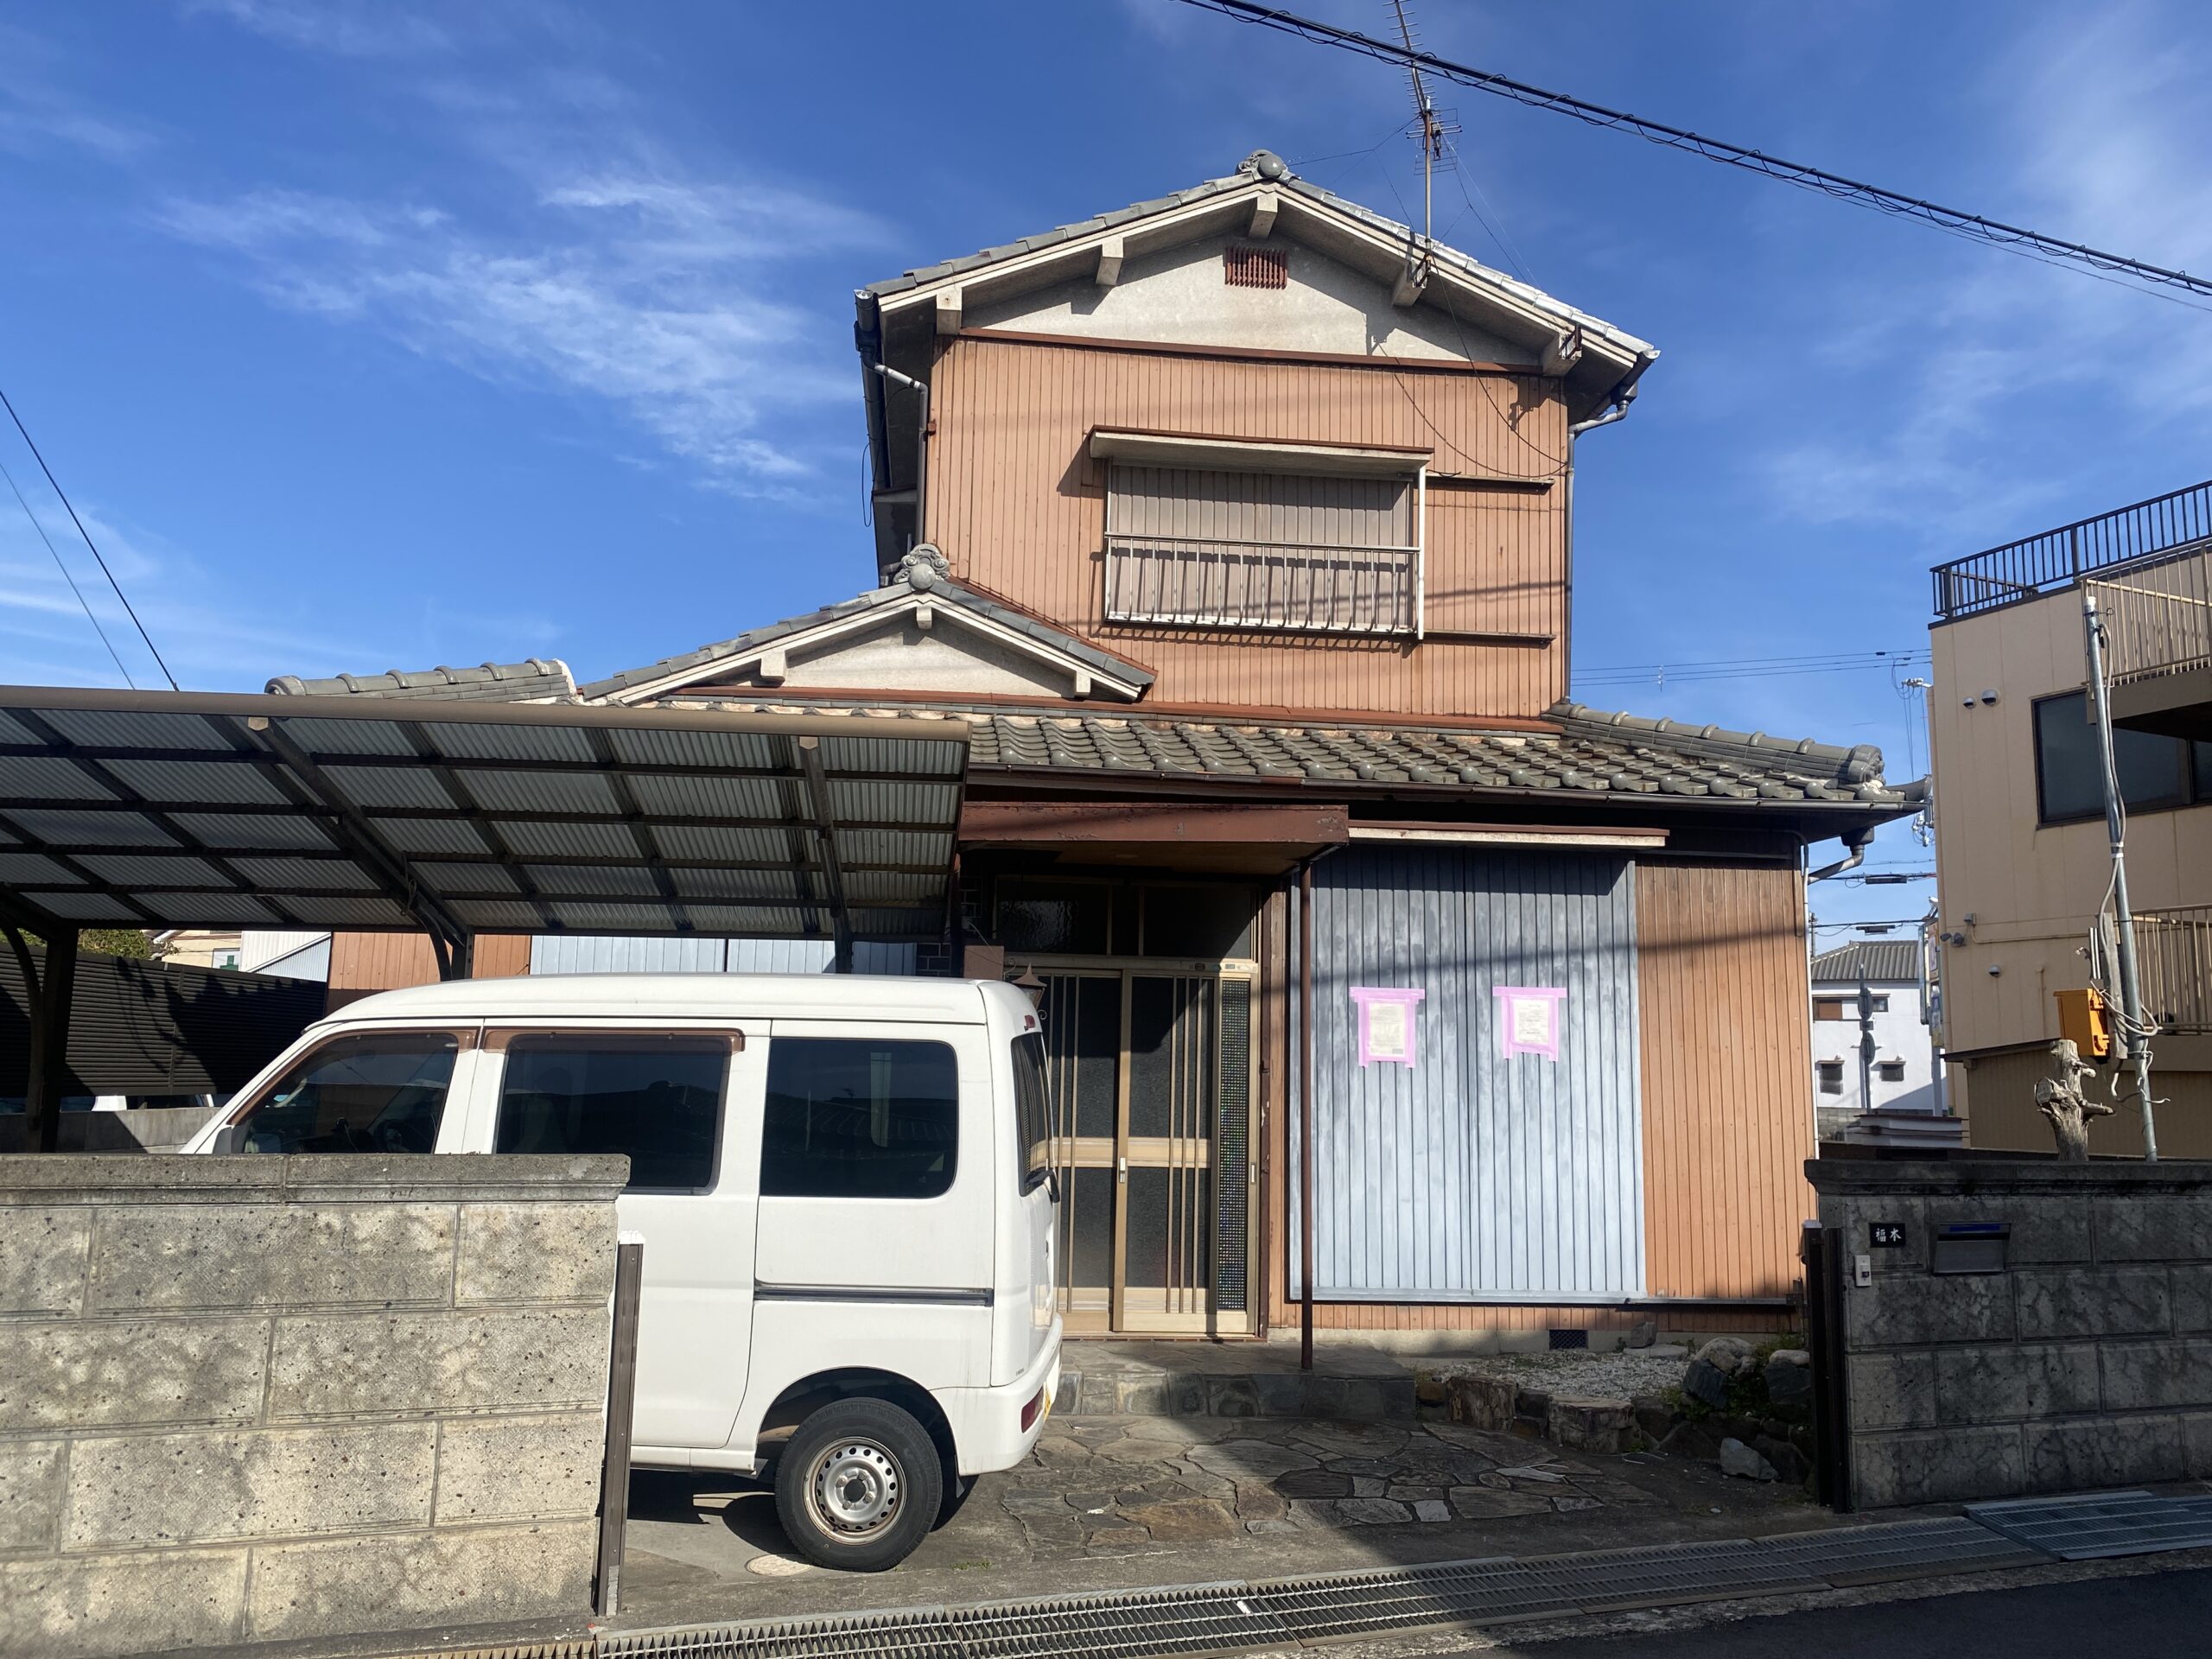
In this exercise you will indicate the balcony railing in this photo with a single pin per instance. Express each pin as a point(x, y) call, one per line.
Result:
point(2173, 964)
point(1186, 582)
point(2158, 619)
point(2058, 558)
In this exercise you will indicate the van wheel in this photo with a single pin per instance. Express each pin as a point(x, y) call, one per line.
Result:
point(858, 1486)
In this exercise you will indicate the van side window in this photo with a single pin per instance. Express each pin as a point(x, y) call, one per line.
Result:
point(856, 1117)
point(658, 1099)
point(380, 1093)
point(1032, 1109)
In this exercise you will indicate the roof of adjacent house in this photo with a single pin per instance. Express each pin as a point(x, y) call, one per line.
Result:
point(1589, 755)
point(921, 572)
point(538, 680)
point(1879, 960)
point(1243, 178)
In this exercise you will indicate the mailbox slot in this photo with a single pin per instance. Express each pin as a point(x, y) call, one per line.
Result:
point(1977, 1247)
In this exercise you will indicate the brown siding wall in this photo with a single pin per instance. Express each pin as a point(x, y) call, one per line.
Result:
point(363, 963)
point(1019, 509)
point(1727, 1065)
point(1996, 1094)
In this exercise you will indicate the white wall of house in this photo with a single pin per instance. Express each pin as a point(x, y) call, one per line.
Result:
point(289, 955)
point(1900, 1039)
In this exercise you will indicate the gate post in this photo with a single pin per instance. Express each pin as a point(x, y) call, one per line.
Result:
point(1820, 1253)
point(622, 1406)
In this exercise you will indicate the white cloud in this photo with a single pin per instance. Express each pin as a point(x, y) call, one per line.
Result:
point(37, 110)
point(353, 28)
point(640, 288)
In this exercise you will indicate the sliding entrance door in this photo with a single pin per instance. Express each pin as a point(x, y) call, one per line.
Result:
point(1150, 1074)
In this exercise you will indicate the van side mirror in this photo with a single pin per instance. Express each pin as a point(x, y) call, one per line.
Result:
point(229, 1139)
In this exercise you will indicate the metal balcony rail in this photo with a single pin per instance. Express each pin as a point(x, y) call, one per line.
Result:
point(2173, 957)
point(2058, 558)
point(2159, 622)
point(1185, 581)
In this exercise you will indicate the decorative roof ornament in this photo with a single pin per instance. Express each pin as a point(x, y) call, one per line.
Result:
point(924, 568)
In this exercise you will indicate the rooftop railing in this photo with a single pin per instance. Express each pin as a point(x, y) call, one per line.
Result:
point(2058, 558)
point(2173, 955)
point(2158, 619)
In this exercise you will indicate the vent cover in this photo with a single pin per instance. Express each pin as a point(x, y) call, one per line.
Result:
point(1564, 1339)
point(1255, 267)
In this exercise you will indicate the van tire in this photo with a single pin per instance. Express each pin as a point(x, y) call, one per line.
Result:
point(858, 1486)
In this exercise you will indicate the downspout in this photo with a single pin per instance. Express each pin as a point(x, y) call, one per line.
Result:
point(1858, 840)
point(1305, 1116)
point(921, 390)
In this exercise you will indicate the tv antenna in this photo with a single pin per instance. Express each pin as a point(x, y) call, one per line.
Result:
point(1437, 127)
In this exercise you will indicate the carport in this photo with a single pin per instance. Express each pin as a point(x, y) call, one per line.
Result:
point(162, 810)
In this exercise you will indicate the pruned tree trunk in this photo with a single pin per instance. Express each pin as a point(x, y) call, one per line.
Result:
point(2062, 1099)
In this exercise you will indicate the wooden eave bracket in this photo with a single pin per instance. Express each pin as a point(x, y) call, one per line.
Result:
point(1562, 353)
point(948, 310)
point(1263, 214)
point(1110, 260)
point(1413, 280)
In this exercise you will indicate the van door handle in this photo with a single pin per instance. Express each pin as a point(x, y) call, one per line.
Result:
point(1122, 1171)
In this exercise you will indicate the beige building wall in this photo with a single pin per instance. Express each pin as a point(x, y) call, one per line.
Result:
point(2032, 890)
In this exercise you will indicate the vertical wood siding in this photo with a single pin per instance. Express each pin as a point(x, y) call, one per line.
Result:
point(1019, 509)
point(363, 963)
point(1727, 1053)
point(1471, 1176)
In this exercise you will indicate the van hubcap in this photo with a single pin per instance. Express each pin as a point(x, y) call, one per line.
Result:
point(856, 1486)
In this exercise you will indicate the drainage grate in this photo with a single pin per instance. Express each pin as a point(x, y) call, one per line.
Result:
point(2101, 1524)
point(1903, 1549)
point(1203, 1618)
point(913, 1633)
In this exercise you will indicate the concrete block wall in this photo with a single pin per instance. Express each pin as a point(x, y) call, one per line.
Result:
point(256, 1399)
point(149, 1128)
point(2086, 1363)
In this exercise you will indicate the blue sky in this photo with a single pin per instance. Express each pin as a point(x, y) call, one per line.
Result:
point(367, 336)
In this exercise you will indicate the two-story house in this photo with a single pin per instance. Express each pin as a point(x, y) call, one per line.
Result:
point(2023, 856)
point(1237, 528)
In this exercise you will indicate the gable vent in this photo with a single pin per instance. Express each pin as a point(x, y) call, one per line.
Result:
point(1255, 267)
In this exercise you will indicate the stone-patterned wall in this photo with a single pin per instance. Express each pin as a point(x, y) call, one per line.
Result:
point(2086, 1363)
point(253, 1398)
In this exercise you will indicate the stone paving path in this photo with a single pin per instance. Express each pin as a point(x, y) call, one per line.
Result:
point(1107, 1485)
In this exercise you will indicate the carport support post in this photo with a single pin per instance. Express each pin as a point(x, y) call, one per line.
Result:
point(1305, 1116)
point(49, 1058)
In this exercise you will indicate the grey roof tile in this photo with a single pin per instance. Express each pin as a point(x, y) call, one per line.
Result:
point(1589, 754)
point(1882, 961)
point(540, 679)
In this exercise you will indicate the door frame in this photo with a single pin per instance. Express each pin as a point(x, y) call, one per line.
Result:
point(1212, 1321)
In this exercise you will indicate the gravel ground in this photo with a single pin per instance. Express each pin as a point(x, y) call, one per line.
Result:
point(1627, 1371)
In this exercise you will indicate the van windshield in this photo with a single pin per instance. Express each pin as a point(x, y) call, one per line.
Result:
point(380, 1093)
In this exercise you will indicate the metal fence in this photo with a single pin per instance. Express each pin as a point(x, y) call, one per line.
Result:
point(2173, 953)
point(1189, 582)
point(2058, 558)
point(2159, 622)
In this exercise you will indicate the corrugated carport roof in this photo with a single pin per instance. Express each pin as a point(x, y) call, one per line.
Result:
point(210, 810)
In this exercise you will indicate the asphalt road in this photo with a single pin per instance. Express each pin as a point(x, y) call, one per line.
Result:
point(2156, 1615)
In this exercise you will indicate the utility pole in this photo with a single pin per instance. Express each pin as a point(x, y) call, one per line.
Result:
point(2133, 1032)
point(1866, 1039)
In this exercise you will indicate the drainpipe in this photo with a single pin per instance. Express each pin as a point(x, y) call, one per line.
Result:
point(1305, 1116)
point(921, 390)
point(1858, 840)
point(1624, 395)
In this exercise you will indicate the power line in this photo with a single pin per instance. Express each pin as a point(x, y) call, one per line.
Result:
point(67, 576)
point(81, 531)
point(1745, 668)
point(1956, 222)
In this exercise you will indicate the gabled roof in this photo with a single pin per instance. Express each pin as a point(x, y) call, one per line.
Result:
point(921, 581)
point(1290, 202)
point(1586, 757)
point(1881, 960)
point(538, 680)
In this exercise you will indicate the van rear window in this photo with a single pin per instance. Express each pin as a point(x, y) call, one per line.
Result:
point(656, 1099)
point(854, 1117)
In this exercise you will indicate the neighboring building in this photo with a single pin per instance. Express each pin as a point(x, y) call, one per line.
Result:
point(304, 955)
point(1903, 1071)
point(1238, 535)
point(2023, 859)
point(198, 947)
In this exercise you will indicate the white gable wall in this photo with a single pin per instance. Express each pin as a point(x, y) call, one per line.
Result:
point(947, 658)
point(1178, 295)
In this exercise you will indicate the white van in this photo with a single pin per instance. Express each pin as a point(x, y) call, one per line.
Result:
point(842, 1185)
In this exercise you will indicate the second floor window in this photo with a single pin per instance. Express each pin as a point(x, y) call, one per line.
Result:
point(2155, 772)
point(1277, 550)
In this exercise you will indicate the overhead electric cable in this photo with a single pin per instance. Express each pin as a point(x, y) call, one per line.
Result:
point(67, 575)
point(89, 542)
point(1956, 222)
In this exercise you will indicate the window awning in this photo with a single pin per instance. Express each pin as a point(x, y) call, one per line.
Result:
point(1253, 455)
point(210, 810)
